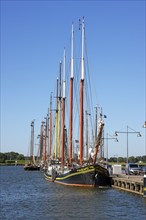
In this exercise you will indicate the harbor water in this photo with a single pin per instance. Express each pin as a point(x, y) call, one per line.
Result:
point(27, 195)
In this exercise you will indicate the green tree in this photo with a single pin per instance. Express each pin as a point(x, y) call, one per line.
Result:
point(132, 159)
point(3, 157)
point(20, 157)
point(10, 156)
point(120, 159)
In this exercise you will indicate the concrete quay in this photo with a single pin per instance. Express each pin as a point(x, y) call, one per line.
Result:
point(129, 183)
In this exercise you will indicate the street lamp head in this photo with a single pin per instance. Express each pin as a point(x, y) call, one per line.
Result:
point(144, 126)
point(115, 134)
point(139, 134)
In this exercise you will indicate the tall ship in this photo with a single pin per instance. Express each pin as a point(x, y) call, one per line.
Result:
point(31, 164)
point(74, 145)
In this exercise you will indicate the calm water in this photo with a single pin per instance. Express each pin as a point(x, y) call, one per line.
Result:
point(27, 195)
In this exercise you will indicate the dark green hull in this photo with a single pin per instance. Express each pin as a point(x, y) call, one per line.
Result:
point(31, 168)
point(89, 175)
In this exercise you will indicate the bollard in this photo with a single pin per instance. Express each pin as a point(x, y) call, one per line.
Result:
point(144, 185)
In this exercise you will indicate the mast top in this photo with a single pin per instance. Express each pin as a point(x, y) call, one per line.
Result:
point(64, 73)
point(82, 59)
point(72, 53)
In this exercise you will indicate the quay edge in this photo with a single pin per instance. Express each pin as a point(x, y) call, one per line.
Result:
point(133, 184)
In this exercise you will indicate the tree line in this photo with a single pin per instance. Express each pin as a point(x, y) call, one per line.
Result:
point(11, 156)
point(131, 159)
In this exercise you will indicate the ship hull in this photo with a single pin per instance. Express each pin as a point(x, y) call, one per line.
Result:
point(31, 168)
point(88, 176)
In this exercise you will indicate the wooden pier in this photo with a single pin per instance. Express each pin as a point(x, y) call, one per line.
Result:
point(129, 183)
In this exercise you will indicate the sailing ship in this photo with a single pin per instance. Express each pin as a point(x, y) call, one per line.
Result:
point(70, 168)
point(31, 165)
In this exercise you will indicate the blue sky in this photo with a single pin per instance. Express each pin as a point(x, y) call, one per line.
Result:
point(33, 34)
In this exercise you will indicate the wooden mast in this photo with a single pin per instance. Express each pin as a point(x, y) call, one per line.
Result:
point(59, 109)
point(48, 118)
point(82, 95)
point(32, 141)
point(40, 136)
point(50, 153)
point(46, 137)
point(45, 144)
point(56, 123)
point(71, 94)
point(95, 123)
point(63, 110)
point(87, 114)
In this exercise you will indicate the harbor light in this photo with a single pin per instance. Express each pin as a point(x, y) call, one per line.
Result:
point(144, 125)
point(127, 133)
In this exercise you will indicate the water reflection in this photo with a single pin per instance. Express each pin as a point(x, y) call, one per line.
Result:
point(27, 195)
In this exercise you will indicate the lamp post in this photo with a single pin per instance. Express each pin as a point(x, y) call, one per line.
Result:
point(109, 137)
point(127, 133)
